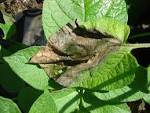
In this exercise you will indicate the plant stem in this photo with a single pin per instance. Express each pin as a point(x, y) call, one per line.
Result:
point(135, 46)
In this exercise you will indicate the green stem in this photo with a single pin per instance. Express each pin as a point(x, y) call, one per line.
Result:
point(135, 46)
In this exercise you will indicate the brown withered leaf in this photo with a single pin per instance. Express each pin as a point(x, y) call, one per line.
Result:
point(45, 55)
point(71, 74)
point(53, 70)
point(67, 55)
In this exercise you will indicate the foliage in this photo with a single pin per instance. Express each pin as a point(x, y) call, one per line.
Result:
point(8, 106)
point(106, 87)
point(8, 27)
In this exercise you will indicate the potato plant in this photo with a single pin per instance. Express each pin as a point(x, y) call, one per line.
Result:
point(86, 65)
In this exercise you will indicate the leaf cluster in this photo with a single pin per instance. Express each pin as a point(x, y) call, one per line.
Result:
point(105, 86)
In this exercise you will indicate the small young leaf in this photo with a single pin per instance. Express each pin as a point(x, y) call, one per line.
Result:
point(19, 63)
point(83, 10)
point(8, 106)
point(44, 104)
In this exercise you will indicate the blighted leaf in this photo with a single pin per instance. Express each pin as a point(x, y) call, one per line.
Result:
point(45, 55)
point(8, 106)
point(74, 72)
point(107, 61)
point(31, 74)
point(53, 70)
point(114, 71)
point(44, 104)
point(65, 45)
point(82, 10)
point(110, 27)
point(66, 49)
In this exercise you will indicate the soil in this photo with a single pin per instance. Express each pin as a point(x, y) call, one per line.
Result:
point(16, 6)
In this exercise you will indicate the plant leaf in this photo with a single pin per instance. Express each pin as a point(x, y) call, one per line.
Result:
point(9, 80)
point(116, 70)
point(57, 13)
point(26, 97)
point(94, 105)
point(8, 28)
point(8, 106)
point(125, 94)
point(31, 74)
point(1, 55)
point(148, 77)
point(64, 101)
point(44, 104)
point(147, 98)
point(135, 91)
point(110, 27)
point(118, 108)
point(67, 100)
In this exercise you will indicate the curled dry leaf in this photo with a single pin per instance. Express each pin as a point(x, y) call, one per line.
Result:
point(47, 55)
point(67, 54)
point(70, 75)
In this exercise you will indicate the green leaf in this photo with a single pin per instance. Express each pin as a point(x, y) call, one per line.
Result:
point(110, 27)
point(31, 74)
point(120, 108)
point(64, 101)
point(94, 105)
point(148, 77)
point(147, 98)
point(135, 91)
point(125, 94)
point(8, 28)
point(26, 98)
point(8, 106)
point(0, 54)
point(44, 104)
point(116, 70)
point(57, 13)
point(9, 80)
point(67, 100)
